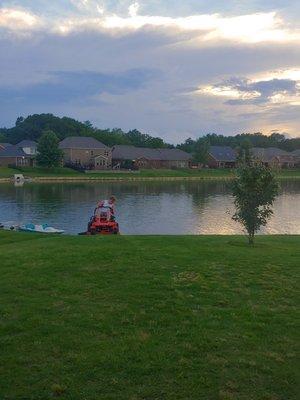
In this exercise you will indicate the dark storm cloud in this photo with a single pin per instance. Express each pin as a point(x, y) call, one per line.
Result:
point(65, 86)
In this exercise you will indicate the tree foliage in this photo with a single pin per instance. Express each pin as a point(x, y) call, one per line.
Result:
point(33, 126)
point(254, 191)
point(244, 153)
point(49, 154)
point(253, 139)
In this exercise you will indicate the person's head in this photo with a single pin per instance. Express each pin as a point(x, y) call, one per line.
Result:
point(112, 199)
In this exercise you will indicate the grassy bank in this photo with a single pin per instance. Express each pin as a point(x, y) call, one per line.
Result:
point(140, 318)
point(67, 173)
point(38, 172)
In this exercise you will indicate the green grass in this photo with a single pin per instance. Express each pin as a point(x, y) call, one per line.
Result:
point(7, 172)
point(148, 318)
point(39, 172)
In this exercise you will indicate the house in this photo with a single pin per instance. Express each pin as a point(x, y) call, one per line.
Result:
point(274, 157)
point(14, 156)
point(28, 146)
point(221, 157)
point(86, 152)
point(4, 145)
point(296, 154)
point(126, 156)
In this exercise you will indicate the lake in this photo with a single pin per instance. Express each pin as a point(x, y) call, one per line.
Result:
point(180, 207)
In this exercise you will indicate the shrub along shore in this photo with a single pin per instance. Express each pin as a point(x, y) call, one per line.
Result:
point(148, 317)
point(38, 174)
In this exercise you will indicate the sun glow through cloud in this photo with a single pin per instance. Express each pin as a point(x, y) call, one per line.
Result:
point(252, 28)
point(274, 87)
point(14, 19)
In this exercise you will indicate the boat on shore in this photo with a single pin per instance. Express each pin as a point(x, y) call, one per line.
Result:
point(44, 228)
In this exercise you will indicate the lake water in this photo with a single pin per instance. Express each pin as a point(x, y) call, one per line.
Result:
point(195, 207)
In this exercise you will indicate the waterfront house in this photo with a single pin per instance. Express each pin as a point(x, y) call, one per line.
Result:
point(296, 155)
point(221, 157)
point(4, 145)
point(126, 156)
point(86, 152)
point(28, 146)
point(274, 157)
point(14, 156)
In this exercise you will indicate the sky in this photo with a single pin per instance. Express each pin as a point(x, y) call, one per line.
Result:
point(170, 68)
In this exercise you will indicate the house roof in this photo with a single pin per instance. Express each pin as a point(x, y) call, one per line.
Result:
point(12, 151)
point(222, 153)
point(4, 145)
point(125, 152)
point(268, 153)
point(296, 153)
point(27, 143)
point(81, 142)
point(174, 155)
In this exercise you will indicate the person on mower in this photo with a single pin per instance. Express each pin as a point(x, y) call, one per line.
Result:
point(110, 203)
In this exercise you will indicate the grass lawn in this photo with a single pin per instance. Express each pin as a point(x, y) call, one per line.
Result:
point(148, 318)
point(37, 172)
point(146, 173)
point(67, 172)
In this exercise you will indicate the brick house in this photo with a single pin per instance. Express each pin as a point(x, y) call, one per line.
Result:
point(274, 157)
point(14, 156)
point(296, 154)
point(4, 145)
point(221, 157)
point(86, 152)
point(126, 156)
point(28, 146)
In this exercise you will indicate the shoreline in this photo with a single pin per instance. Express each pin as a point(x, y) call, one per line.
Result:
point(116, 179)
point(74, 179)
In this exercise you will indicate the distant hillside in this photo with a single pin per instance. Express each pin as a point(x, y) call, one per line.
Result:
point(33, 126)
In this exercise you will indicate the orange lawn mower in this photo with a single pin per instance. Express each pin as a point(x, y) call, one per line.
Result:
point(102, 222)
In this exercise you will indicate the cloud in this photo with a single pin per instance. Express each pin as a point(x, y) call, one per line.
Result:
point(246, 91)
point(71, 86)
point(117, 64)
point(18, 20)
point(205, 28)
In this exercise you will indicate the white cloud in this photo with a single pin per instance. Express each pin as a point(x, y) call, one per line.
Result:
point(17, 20)
point(253, 28)
point(206, 28)
point(133, 10)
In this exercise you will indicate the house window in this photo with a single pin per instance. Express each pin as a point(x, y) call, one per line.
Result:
point(92, 152)
point(106, 153)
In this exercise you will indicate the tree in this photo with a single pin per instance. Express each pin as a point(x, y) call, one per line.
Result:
point(254, 191)
point(19, 120)
point(244, 152)
point(49, 154)
point(201, 150)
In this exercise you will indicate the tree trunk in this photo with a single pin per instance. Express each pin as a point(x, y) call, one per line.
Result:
point(251, 238)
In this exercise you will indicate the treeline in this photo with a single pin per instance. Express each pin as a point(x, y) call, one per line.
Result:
point(241, 140)
point(33, 126)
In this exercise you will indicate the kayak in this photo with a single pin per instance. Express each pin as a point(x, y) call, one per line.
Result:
point(44, 228)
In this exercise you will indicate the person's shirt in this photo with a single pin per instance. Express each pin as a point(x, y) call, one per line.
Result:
point(107, 203)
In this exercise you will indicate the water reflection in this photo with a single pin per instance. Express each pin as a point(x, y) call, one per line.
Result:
point(144, 207)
